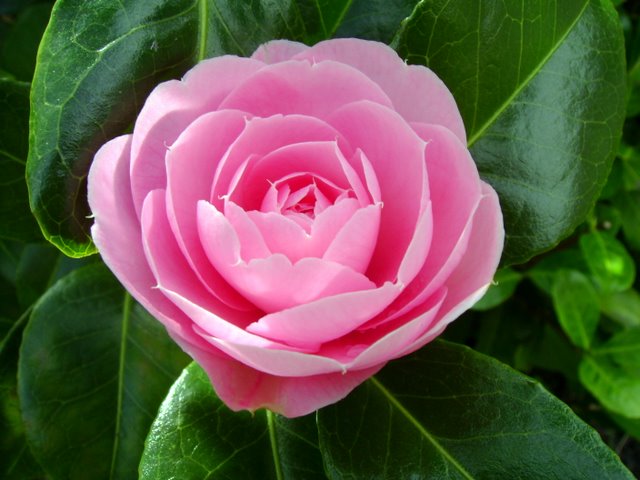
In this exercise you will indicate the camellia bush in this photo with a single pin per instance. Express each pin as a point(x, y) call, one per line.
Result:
point(327, 239)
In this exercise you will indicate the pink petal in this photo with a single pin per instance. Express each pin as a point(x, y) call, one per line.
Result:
point(252, 241)
point(170, 267)
point(325, 319)
point(172, 106)
point(277, 51)
point(272, 283)
point(416, 92)
point(262, 136)
point(399, 335)
point(470, 280)
point(456, 190)
point(317, 158)
point(396, 154)
point(305, 88)
point(243, 388)
point(116, 233)
point(353, 245)
point(191, 163)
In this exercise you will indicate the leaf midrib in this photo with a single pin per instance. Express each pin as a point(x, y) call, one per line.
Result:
point(126, 315)
point(491, 120)
point(421, 429)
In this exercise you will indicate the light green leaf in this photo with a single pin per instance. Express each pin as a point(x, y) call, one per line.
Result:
point(616, 388)
point(541, 88)
point(623, 307)
point(623, 348)
point(449, 412)
point(196, 436)
point(612, 267)
point(93, 370)
point(576, 304)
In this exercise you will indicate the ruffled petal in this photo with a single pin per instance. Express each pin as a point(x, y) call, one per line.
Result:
point(190, 165)
point(416, 92)
point(314, 89)
point(396, 154)
point(116, 233)
point(243, 388)
point(325, 319)
point(172, 106)
point(277, 51)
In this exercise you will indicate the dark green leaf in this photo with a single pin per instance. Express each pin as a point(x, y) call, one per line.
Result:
point(576, 304)
point(623, 307)
point(196, 436)
point(19, 48)
point(541, 88)
point(93, 370)
point(16, 220)
point(375, 19)
point(610, 264)
point(504, 284)
point(615, 387)
point(449, 412)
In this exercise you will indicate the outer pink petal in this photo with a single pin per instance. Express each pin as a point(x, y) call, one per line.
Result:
point(470, 280)
point(303, 88)
point(396, 154)
point(116, 233)
point(191, 164)
point(171, 107)
point(243, 388)
point(327, 318)
point(416, 92)
point(277, 51)
point(455, 191)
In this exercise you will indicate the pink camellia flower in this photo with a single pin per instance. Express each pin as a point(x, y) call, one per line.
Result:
point(298, 218)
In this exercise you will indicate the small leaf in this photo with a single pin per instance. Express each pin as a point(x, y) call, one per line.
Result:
point(16, 220)
point(612, 267)
point(623, 307)
point(449, 412)
point(576, 304)
point(93, 369)
point(196, 436)
point(623, 348)
point(543, 273)
point(541, 88)
point(504, 284)
point(629, 205)
point(616, 388)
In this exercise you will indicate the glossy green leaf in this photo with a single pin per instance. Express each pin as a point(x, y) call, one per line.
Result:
point(93, 370)
point(575, 302)
point(374, 19)
point(610, 264)
point(504, 284)
point(449, 412)
point(541, 88)
point(16, 220)
point(623, 307)
point(196, 436)
point(97, 62)
point(616, 388)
